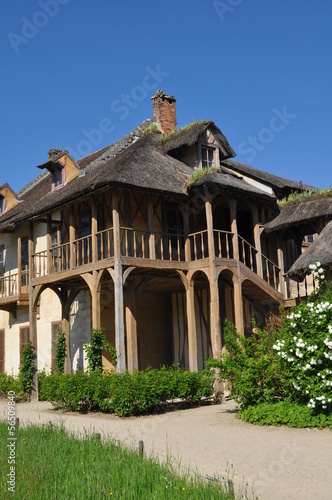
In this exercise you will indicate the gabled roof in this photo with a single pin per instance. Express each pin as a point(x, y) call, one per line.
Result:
point(188, 136)
point(320, 250)
point(301, 213)
point(280, 185)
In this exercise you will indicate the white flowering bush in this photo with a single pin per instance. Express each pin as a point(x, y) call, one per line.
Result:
point(305, 351)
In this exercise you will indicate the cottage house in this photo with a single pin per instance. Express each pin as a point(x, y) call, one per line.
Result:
point(158, 238)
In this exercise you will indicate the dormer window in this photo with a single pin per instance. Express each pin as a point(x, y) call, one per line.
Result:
point(2, 204)
point(207, 157)
point(57, 177)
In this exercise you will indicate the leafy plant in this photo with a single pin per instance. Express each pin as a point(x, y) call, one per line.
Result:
point(185, 127)
point(27, 367)
point(10, 383)
point(95, 347)
point(60, 352)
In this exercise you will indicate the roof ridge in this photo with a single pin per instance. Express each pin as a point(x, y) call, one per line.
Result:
point(117, 147)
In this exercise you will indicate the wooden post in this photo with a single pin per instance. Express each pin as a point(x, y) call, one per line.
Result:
point(95, 304)
point(257, 237)
point(33, 338)
point(49, 244)
point(66, 330)
point(185, 215)
point(94, 230)
point(71, 237)
point(19, 264)
point(238, 305)
point(152, 241)
point(234, 229)
point(191, 322)
point(281, 266)
point(213, 281)
point(131, 327)
point(118, 289)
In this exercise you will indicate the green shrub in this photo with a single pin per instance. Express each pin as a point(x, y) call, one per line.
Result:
point(27, 367)
point(60, 352)
point(124, 393)
point(285, 413)
point(10, 383)
point(250, 368)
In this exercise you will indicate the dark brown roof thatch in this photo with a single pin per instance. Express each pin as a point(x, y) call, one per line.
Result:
point(280, 185)
point(229, 183)
point(141, 164)
point(189, 135)
point(320, 250)
point(301, 213)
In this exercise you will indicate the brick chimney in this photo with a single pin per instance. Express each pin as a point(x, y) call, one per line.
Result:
point(164, 112)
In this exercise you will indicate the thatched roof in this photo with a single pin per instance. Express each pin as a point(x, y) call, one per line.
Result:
point(141, 164)
point(303, 213)
point(187, 137)
point(320, 250)
point(231, 184)
point(280, 185)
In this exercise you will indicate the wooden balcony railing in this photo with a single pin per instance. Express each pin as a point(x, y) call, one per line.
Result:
point(223, 244)
point(170, 247)
point(136, 243)
point(298, 290)
point(8, 286)
point(105, 244)
point(199, 248)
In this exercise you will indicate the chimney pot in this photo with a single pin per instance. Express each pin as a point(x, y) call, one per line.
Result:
point(53, 153)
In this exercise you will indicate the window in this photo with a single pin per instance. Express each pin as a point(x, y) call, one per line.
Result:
point(24, 260)
point(207, 157)
point(2, 204)
point(57, 177)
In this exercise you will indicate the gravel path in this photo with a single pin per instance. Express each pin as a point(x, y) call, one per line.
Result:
point(274, 462)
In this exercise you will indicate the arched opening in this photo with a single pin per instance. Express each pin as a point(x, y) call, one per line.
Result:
point(226, 300)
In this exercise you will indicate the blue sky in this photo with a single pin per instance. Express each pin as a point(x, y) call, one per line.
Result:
point(79, 74)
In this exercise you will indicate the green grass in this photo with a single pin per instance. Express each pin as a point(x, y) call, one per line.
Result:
point(299, 196)
point(52, 464)
point(201, 172)
point(185, 127)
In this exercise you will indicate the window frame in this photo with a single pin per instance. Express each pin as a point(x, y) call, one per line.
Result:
point(2, 204)
point(207, 163)
point(56, 182)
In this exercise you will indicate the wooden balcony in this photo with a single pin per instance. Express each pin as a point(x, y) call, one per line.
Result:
point(140, 245)
point(13, 292)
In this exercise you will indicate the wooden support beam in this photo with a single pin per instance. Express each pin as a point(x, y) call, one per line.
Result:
point(238, 305)
point(33, 338)
point(19, 263)
point(281, 266)
point(152, 241)
point(131, 327)
point(95, 305)
point(119, 318)
point(72, 236)
point(49, 244)
point(215, 327)
point(192, 333)
point(232, 207)
point(257, 238)
point(66, 330)
point(94, 229)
